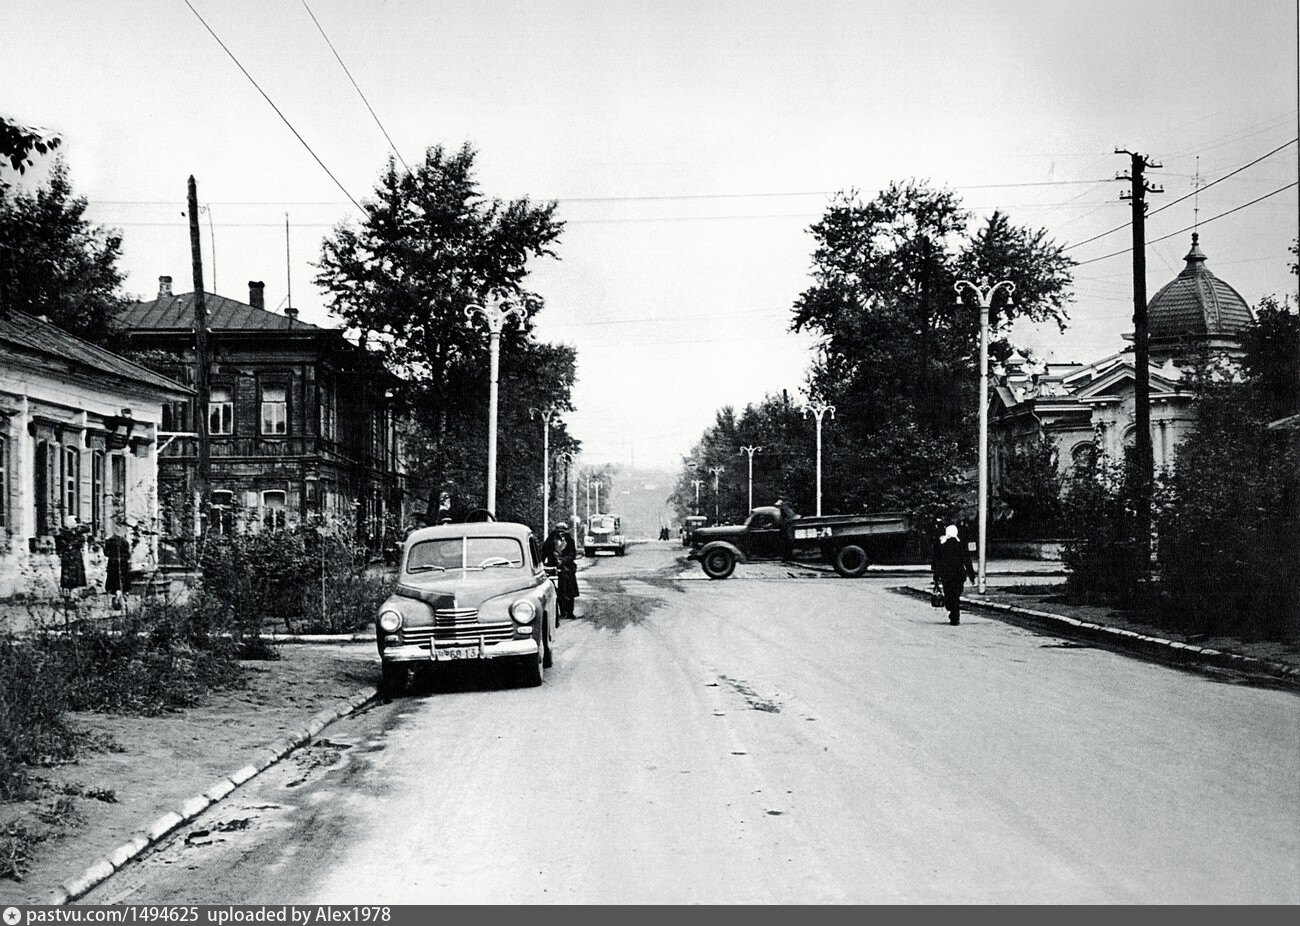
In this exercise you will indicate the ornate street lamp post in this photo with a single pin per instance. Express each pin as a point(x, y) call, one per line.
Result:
point(717, 471)
point(495, 316)
point(697, 483)
point(985, 297)
point(571, 462)
point(751, 451)
point(819, 410)
point(545, 415)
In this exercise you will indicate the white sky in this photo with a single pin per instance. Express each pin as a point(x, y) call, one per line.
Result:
point(690, 144)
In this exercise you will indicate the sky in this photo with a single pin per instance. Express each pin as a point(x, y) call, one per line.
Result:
point(689, 144)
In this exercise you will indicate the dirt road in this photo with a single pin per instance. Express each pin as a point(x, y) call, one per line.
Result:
point(771, 740)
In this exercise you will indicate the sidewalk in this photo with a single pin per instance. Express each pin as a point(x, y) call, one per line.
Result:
point(151, 766)
point(1275, 662)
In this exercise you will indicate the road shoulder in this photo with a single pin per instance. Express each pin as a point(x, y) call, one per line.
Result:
point(166, 769)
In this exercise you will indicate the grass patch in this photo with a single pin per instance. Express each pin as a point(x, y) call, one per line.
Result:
point(158, 658)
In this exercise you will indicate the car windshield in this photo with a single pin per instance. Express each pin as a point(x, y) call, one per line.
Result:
point(450, 553)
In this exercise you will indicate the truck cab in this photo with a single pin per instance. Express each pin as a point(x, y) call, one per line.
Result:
point(604, 532)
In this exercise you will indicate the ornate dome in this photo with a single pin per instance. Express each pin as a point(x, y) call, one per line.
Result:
point(1196, 306)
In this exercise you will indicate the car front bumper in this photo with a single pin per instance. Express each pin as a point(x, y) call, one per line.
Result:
point(416, 653)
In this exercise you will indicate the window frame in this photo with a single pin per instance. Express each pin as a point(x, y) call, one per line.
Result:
point(70, 481)
point(264, 405)
point(97, 521)
point(4, 482)
point(266, 510)
point(225, 412)
point(223, 511)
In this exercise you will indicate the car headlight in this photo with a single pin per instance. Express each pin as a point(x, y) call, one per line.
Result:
point(523, 611)
point(389, 621)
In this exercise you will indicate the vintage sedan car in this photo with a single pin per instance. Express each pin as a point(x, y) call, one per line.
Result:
point(468, 591)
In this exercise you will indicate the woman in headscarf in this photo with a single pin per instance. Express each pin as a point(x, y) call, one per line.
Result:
point(951, 567)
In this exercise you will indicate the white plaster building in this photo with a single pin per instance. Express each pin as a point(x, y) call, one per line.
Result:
point(78, 439)
point(1088, 409)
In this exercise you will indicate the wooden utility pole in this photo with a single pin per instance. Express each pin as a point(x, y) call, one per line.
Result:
point(203, 477)
point(1145, 459)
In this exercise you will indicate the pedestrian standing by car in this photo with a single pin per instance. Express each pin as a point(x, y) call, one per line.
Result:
point(560, 551)
point(951, 568)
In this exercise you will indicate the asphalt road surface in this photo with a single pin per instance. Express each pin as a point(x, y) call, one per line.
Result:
point(771, 739)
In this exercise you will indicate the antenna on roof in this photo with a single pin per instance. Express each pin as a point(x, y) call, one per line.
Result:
point(289, 310)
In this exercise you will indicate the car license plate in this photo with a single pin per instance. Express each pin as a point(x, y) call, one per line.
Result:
point(456, 652)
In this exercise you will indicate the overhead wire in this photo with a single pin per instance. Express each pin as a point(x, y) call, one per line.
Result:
point(1258, 199)
point(271, 102)
point(339, 59)
point(1181, 198)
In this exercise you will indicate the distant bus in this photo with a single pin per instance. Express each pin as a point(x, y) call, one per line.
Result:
point(604, 532)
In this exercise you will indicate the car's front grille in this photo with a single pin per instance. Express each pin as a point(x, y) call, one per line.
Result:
point(459, 634)
point(454, 617)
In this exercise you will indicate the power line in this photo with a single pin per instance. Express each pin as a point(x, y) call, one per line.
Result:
point(1282, 189)
point(355, 87)
point(1181, 198)
point(273, 106)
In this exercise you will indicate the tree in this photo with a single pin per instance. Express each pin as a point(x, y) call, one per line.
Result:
point(1230, 510)
point(18, 141)
point(897, 352)
point(429, 246)
point(54, 262)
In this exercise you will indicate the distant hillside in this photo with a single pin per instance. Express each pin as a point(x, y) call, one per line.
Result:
point(640, 498)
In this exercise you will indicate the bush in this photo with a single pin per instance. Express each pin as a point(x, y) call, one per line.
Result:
point(33, 698)
point(1229, 526)
point(305, 580)
point(161, 657)
point(1102, 560)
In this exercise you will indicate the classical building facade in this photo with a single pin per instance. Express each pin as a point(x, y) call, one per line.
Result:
point(300, 421)
point(1088, 409)
point(78, 451)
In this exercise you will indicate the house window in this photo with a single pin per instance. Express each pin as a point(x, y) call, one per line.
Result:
point(71, 482)
point(273, 511)
point(4, 482)
point(221, 411)
point(275, 410)
point(1084, 457)
point(328, 413)
point(97, 491)
point(118, 475)
point(222, 504)
point(174, 417)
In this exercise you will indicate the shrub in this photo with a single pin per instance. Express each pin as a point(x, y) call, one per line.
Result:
point(160, 657)
point(33, 698)
point(307, 580)
point(1230, 522)
point(1101, 560)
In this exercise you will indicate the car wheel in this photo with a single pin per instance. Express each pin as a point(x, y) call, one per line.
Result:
point(718, 564)
point(532, 669)
point(851, 561)
point(588, 551)
point(394, 679)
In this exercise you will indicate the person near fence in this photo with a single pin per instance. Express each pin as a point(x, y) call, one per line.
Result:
point(951, 567)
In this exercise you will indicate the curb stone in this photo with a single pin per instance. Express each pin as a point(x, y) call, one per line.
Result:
point(1172, 649)
point(102, 868)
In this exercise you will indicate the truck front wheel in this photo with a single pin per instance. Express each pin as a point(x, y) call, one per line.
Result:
point(718, 564)
point(851, 561)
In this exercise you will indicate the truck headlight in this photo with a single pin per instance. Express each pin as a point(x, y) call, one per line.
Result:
point(389, 621)
point(522, 611)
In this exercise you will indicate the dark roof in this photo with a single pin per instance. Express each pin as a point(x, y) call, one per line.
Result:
point(176, 312)
point(32, 335)
point(1196, 304)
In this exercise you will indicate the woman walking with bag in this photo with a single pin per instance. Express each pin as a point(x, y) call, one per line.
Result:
point(951, 568)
